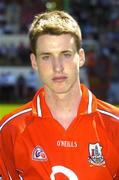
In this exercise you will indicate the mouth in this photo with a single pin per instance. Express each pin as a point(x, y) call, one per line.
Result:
point(59, 78)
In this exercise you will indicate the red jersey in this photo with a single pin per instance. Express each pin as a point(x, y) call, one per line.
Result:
point(34, 146)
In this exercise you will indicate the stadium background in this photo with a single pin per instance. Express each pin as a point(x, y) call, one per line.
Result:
point(99, 21)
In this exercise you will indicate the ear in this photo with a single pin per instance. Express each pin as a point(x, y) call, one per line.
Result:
point(33, 61)
point(82, 57)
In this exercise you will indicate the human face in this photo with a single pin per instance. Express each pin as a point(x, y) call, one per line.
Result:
point(58, 62)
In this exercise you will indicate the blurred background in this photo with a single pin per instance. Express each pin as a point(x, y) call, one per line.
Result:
point(99, 21)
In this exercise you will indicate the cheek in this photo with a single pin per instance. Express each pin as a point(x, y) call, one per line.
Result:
point(44, 71)
point(73, 67)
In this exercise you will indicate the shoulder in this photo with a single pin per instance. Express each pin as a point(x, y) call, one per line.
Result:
point(17, 119)
point(109, 115)
point(108, 111)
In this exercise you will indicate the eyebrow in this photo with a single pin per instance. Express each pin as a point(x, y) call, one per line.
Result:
point(48, 53)
point(67, 51)
point(44, 53)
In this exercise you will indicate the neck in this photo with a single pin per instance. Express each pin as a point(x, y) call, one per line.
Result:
point(64, 106)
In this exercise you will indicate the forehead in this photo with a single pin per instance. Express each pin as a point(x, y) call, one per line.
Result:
point(49, 42)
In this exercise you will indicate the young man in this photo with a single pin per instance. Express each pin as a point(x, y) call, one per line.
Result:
point(65, 132)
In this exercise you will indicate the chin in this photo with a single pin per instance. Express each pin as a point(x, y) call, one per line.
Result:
point(61, 90)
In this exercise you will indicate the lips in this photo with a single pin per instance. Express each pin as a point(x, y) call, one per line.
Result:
point(59, 78)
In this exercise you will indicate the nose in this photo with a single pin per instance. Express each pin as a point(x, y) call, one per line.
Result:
point(57, 65)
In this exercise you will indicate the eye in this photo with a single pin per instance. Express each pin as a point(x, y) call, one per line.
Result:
point(45, 57)
point(67, 55)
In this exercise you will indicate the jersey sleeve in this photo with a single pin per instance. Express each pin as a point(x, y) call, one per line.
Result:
point(3, 170)
point(11, 126)
point(110, 121)
point(7, 164)
point(117, 175)
point(112, 129)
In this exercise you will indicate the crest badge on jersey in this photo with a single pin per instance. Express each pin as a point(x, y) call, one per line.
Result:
point(95, 155)
point(38, 154)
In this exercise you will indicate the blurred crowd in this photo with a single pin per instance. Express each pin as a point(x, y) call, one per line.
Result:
point(99, 21)
point(16, 15)
point(12, 55)
point(17, 88)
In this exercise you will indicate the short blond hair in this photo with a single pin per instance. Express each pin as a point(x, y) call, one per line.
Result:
point(55, 23)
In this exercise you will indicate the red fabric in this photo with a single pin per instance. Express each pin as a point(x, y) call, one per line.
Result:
point(35, 146)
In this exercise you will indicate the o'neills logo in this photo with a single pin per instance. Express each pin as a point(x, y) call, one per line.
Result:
point(95, 155)
point(63, 143)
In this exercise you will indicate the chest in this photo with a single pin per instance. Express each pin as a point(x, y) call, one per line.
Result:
point(48, 150)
